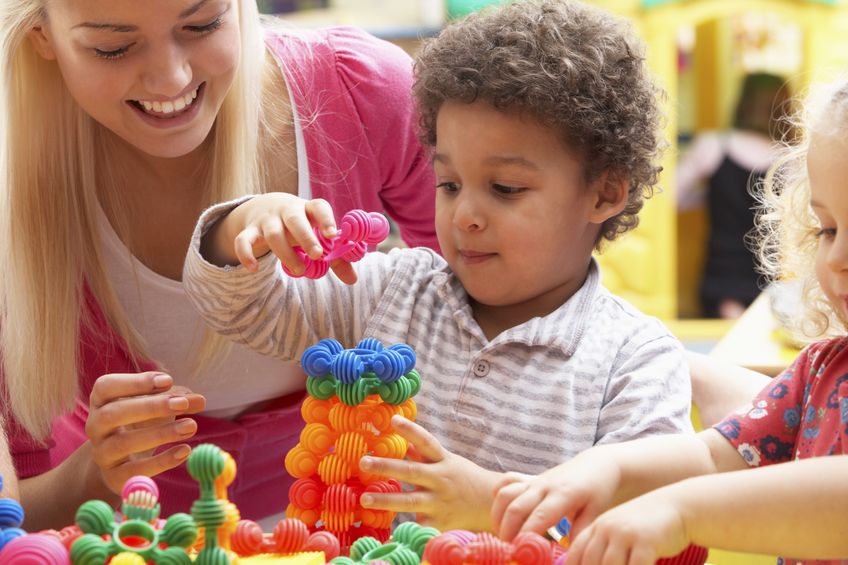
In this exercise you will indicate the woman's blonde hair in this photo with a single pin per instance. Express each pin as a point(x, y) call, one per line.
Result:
point(48, 244)
point(787, 227)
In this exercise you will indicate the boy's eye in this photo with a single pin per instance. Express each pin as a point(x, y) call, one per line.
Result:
point(448, 186)
point(206, 28)
point(508, 190)
point(112, 53)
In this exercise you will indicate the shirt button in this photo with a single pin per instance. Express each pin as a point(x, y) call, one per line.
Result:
point(481, 368)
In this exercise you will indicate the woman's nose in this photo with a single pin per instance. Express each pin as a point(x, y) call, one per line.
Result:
point(168, 71)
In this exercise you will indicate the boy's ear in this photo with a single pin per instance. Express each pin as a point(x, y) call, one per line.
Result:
point(609, 192)
point(42, 43)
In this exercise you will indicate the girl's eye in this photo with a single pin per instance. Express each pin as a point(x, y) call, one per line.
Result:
point(508, 190)
point(112, 53)
point(448, 186)
point(207, 28)
point(827, 233)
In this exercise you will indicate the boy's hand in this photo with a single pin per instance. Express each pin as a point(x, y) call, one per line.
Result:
point(274, 222)
point(132, 415)
point(579, 489)
point(637, 532)
point(450, 492)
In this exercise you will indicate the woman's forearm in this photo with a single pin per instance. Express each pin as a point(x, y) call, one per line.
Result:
point(50, 500)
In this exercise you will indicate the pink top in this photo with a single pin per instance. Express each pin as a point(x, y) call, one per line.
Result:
point(352, 94)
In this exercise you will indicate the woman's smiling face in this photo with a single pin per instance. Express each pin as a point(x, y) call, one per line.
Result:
point(155, 73)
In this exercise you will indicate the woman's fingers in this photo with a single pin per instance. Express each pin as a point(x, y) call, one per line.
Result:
point(120, 446)
point(150, 466)
point(114, 386)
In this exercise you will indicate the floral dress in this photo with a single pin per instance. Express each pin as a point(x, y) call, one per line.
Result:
point(802, 413)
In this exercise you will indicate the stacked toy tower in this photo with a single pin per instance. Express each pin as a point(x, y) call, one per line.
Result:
point(353, 394)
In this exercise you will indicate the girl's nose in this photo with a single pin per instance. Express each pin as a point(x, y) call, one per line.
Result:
point(168, 72)
point(837, 256)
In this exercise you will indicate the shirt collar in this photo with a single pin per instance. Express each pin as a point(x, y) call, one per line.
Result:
point(563, 328)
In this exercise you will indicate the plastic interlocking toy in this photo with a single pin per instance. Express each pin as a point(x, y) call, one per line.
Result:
point(405, 547)
point(11, 519)
point(460, 547)
point(357, 230)
point(353, 395)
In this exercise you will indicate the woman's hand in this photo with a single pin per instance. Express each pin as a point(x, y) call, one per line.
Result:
point(130, 416)
point(579, 489)
point(450, 492)
point(275, 222)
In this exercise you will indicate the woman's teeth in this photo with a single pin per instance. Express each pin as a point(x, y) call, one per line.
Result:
point(169, 107)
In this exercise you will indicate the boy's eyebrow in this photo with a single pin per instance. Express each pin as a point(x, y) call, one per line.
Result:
point(126, 28)
point(512, 160)
point(495, 160)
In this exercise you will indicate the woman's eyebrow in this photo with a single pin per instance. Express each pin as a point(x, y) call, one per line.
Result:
point(128, 28)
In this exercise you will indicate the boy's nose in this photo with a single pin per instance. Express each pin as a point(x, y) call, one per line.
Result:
point(468, 214)
point(168, 72)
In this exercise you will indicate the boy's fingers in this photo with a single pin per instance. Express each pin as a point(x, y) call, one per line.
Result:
point(410, 472)
point(504, 497)
point(301, 232)
point(517, 513)
point(321, 213)
point(244, 246)
point(414, 501)
point(425, 443)
point(344, 271)
point(114, 386)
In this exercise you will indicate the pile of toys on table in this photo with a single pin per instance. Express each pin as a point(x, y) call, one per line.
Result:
point(353, 395)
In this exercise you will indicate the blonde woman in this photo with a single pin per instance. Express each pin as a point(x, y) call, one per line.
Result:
point(120, 122)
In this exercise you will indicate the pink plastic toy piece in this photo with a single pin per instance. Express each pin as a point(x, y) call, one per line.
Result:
point(140, 483)
point(357, 230)
point(35, 549)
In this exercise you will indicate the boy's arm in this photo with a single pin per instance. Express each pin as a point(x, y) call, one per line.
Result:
point(795, 509)
point(719, 388)
point(271, 312)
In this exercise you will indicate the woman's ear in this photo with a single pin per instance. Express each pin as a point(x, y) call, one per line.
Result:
point(42, 43)
point(610, 191)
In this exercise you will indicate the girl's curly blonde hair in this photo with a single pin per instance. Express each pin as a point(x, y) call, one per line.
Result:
point(787, 227)
point(575, 68)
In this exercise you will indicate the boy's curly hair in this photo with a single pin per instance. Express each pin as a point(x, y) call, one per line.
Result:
point(569, 65)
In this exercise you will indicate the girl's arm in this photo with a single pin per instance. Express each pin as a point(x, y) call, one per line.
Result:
point(606, 475)
point(719, 388)
point(795, 509)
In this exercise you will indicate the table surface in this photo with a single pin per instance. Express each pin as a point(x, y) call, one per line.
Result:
point(754, 342)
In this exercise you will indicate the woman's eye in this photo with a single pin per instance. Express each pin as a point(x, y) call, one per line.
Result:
point(112, 53)
point(207, 28)
point(448, 186)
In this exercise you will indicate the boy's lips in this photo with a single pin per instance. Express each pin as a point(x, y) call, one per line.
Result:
point(471, 256)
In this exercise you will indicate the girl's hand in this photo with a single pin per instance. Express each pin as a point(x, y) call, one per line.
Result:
point(637, 532)
point(450, 492)
point(579, 489)
point(274, 222)
point(130, 416)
